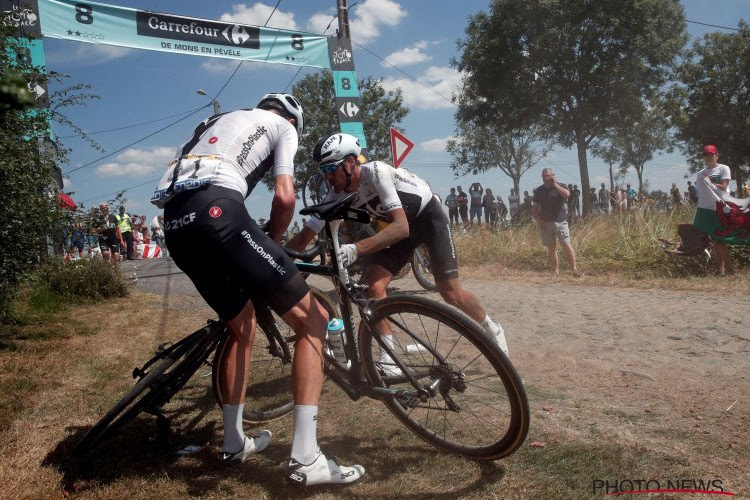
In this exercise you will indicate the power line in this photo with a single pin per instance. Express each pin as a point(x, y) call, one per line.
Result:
point(135, 142)
point(126, 126)
point(402, 71)
point(120, 190)
point(711, 25)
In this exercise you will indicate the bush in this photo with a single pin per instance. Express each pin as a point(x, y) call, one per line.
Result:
point(93, 279)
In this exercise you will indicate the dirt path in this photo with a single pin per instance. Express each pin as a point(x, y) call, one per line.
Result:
point(669, 370)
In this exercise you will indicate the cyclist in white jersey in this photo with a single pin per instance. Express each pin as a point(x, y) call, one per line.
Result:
point(416, 217)
point(235, 265)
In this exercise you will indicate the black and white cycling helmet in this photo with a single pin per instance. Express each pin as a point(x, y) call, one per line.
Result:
point(335, 148)
point(286, 103)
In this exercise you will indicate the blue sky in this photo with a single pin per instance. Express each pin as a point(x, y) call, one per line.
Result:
point(418, 37)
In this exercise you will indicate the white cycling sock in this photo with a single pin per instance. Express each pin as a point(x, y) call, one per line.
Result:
point(304, 440)
point(234, 436)
point(384, 357)
point(491, 327)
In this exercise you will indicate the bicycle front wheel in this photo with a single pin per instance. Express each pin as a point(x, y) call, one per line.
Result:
point(156, 384)
point(269, 387)
point(473, 402)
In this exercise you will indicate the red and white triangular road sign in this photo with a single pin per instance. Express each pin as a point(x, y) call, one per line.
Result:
point(400, 147)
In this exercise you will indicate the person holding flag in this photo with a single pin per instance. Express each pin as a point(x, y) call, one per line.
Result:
point(724, 218)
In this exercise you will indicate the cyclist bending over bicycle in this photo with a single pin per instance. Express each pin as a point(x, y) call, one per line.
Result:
point(234, 265)
point(416, 218)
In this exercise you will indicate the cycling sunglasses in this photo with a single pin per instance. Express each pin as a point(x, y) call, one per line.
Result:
point(330, 168)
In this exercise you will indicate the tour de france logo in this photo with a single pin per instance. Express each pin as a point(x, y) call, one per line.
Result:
point(341, 55)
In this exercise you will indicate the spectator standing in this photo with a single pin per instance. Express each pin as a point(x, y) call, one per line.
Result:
point(110, 236)
point(502, 210)
point(475, 207)
point(630, 194)
point(706, 219)
point(676, 196)
point(513, 203)
point(525, 210)
point(92, 231)
point(157, 230)
point(550, 213)
point(603, 199)
point(576, 204)
point(451, 201)
point(488, 205)
point(126, 230)
point(463, 206)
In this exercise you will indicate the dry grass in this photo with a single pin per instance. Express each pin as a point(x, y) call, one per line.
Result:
point(58, 377)
point(623, 246)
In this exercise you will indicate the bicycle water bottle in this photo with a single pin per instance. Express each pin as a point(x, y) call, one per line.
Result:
point(336, 340)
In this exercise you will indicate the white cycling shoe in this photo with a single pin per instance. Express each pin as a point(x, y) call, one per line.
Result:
point(252, 445)
point(322, 471)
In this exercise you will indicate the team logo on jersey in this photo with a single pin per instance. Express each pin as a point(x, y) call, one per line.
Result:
point(213, 140)
point(214, 212)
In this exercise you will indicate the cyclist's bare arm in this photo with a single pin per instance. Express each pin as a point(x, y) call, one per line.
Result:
point(394, 232)
point(282, 207)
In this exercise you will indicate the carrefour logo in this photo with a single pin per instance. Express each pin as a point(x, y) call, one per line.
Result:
point(197, 30)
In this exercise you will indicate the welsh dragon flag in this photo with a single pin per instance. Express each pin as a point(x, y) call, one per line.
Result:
point(728, 219)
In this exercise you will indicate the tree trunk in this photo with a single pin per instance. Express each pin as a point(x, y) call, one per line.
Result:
point(584, 169)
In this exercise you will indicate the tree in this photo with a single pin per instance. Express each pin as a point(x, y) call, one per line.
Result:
point(381, 111)
point(479, 148)
point(710, 102)
point(572, 66)
point(636, 139)
point(29, 212)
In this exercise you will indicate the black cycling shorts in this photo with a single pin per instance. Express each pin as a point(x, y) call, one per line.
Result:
point(230, 260)
point(431, 228)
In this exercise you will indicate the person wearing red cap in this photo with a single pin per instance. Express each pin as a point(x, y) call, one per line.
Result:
point(706, 219)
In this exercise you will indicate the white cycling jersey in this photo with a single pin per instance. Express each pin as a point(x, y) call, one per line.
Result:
point(383, 188)
point(232, 150)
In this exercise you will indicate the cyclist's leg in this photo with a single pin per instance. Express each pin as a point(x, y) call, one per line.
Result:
point(308, 464)
point(435, 233)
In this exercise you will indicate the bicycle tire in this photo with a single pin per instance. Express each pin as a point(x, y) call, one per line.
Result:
point(479, 408)
point(156, 386)
point(420, 263)
point(269, 388)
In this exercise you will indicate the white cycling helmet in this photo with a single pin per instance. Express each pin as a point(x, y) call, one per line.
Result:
point(286, 103)
point(335, 148)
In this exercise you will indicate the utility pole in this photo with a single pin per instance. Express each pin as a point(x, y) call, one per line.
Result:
point(343, 15)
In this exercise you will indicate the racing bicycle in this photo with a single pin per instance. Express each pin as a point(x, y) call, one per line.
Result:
point(446, 380)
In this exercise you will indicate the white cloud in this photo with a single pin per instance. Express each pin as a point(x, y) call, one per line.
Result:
point(86, 54)
point(407, 56)
point(443, 81)
point(138, 162)
point(365, 20)
point(436, 145)
point(257, 15)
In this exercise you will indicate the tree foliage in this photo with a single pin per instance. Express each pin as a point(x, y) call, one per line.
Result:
point(710, 102)
point(636, 139)
point(479, 148)
point(574, 67)
point(29, 212)
point(381, 111)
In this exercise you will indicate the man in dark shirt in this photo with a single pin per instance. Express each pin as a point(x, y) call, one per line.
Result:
point(451, 201)
point(463, 206)
point(550, 211)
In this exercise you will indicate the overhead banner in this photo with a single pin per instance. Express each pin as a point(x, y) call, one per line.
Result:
point(92, 22)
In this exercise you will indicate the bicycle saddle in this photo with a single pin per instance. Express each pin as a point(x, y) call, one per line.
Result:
point(338, 209)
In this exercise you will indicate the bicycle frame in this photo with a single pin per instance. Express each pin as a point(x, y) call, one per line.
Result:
point(349, 293)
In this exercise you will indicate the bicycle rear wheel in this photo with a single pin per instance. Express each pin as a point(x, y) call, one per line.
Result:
point(477, 406)
point(157, 382)
point(420, 263)
point(269, 386)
